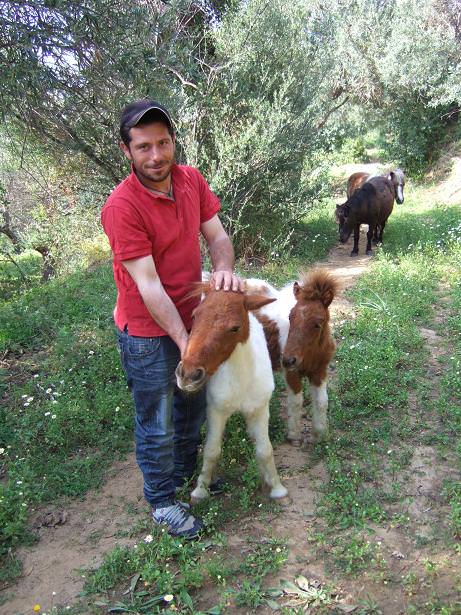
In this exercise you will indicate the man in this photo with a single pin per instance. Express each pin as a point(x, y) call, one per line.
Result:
point(153, 220)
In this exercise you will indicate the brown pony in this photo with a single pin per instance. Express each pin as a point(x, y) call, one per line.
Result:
point(227, 349)
point(299, 339)
point(397, 179)
point(371, 204)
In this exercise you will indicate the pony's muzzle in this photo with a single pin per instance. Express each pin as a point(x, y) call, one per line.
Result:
point(190, 381)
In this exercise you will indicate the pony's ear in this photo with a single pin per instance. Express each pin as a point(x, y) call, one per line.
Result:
point(327, 297)
point(296, 289)
point(391, 176)
point(254, 302)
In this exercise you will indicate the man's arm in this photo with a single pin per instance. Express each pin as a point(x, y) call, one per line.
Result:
point(159, 304)
point(222, 255)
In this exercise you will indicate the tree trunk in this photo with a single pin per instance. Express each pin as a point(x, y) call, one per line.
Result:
point(49, 269)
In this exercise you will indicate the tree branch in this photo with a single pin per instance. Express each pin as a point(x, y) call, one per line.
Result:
point(324, 120)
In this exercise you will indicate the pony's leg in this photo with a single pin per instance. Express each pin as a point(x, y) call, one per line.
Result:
point(381, 232)
point(376, 234)
point(355, 249)
point(294, 406)
point(369, 238)
point(319, 399)
point(258, 429)
point(216, 422)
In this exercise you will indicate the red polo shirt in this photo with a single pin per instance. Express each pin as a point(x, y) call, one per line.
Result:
point(138, 223)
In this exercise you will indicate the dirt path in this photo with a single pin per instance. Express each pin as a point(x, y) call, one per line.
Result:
point(90, 529)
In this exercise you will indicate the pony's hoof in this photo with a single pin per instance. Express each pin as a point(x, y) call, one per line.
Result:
point(295, 441)
point(354, 253)
point(369, 252)
point(198, 495)
point(278, 492)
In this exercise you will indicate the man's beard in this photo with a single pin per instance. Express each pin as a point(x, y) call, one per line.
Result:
point(154, 176)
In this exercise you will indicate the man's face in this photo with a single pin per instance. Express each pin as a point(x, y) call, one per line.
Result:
point(151, 150)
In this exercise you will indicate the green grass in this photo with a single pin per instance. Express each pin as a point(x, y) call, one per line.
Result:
point(381, 357)
point(19, 272)
point(67, 410)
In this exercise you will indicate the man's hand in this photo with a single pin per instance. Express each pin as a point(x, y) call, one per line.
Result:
point(226, 280)
point(222, 256)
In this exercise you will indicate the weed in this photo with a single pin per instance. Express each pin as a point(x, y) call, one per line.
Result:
point(266, 556)
point(250, 594)
point(353, 554)
point(409, 582)
point(369, 606)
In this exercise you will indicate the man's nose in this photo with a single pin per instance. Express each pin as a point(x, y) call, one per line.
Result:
point(155, 153)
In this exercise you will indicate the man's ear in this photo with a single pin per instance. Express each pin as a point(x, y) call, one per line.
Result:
point(126, 150)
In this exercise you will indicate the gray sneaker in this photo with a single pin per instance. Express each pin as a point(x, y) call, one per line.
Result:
point(178, 520)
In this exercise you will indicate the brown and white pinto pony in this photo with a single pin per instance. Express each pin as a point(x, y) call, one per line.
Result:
point(227, 350)
point(397, 179)
point(299, 339)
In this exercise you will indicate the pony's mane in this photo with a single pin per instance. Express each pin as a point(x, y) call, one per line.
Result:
point(316, 282)
point(399, 174)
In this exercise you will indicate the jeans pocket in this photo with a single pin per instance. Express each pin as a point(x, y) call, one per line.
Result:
point(142, 346)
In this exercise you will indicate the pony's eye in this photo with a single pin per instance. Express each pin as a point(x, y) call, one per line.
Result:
point(234, 329)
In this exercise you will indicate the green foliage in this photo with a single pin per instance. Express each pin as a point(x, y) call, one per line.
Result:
point(18, 273)
point(168, 568)
point(261, 93)
point(260, 114)
point(65, 413)
point(353, 149)
point(380, 355)
point(72, 66)
point(41, 314)
point(353, 554)
point(415, 132)
point(348, 501)
point(250, 594)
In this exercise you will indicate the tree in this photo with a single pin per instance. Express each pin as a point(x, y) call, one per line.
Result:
point(74, 65)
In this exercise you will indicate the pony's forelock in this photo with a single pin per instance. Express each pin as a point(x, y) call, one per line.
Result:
point(316, 282)
point(197, 290)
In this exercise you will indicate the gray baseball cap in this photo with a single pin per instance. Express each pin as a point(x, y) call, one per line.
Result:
point(135, 111)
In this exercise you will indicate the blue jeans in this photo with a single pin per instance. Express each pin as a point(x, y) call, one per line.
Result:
point(167, 422)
